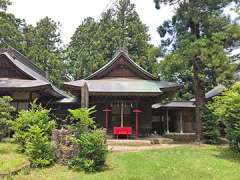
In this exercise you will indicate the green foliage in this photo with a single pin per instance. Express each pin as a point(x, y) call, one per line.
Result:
point(4, 4)
point(38, 147)
point(211, 131)
point(32, 129)
point(35, 116)
point(82, 117)
point(227, 108)
point(91, 142)
point(11, 31)
point(94, 43)
point(217, 65)
point(43, 46)
point(198, 29)
point(5, 115)
point(92, 151)
point(40, 43)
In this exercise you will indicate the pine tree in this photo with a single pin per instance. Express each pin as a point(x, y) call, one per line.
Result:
point(194, 25)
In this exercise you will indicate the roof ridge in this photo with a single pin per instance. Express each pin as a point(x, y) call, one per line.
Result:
point(26, 61)
point(30, 68)
point(114, 59)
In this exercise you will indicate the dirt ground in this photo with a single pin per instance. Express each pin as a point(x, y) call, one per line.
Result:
point(119, 148)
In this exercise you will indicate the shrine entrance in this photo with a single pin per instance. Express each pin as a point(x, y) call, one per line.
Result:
point(122, 117)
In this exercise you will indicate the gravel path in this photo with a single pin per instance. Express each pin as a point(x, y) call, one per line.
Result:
point(116, 148)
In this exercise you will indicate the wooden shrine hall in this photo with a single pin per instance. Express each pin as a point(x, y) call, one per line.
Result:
point(24, 82)
point(123, 93)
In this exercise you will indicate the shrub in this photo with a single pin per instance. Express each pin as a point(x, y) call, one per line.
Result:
point(5, 115)
point(227, 109)
point(32, 129)
point(90, 142)
point(38, 148)
point(211, 133)
point(92, 151)
point(35, 116)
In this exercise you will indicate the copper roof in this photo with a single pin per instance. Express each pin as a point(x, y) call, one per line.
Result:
point(123, 85)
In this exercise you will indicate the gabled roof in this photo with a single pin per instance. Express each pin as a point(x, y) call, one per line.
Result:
point(115, 59)
point(144, 84)
point(123, 85)
point(28, 68)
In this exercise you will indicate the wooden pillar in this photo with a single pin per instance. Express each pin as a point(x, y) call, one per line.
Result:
point(136, 111)
point(167, 122)
point(121, 113)
point(181, 122)
point(107, 111)
point(84, 96)
point(30, 99)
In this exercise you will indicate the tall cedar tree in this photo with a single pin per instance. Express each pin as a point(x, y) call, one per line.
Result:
point(193, 27)
point(11, 28)
point(94, 42)
point(43, 46)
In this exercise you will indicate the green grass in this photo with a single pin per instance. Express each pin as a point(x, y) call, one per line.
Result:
point(188, 162)
point(10, 158)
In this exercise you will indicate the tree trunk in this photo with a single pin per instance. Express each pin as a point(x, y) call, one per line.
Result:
point(199, 89)
point(198, 80)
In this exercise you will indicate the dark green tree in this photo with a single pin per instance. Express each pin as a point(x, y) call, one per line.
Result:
point(11, 28)
point(5, 115)
point(211, 124)
point(43, 46)
point(227, 109)
point(4, 4)
point(94, 42)
point(190, 34)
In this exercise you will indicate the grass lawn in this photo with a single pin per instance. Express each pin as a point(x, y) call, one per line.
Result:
point(187, 162)
point(9, 158)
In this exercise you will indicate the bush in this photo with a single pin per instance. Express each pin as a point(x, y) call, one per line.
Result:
point(32, 129)
point(227, 109)
point(5, 115)
point(211, 133)
point(38, 148)
point(90, 142)
point(92, 151)
point(35, 116)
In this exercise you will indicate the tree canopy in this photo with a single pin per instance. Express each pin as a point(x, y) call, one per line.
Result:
point(11, 28)
point(227, 109)
point(43, 46)
point(197, 37)
point(94, 42)
point(215, 34)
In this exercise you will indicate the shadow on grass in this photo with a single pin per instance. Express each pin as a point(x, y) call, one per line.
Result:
point(103, 169)
point(228, 154)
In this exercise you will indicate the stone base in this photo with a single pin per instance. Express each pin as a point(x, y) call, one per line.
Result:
point(181, 137)
point(64, 148)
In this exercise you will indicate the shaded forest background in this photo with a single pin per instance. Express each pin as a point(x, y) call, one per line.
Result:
point(95, 41)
